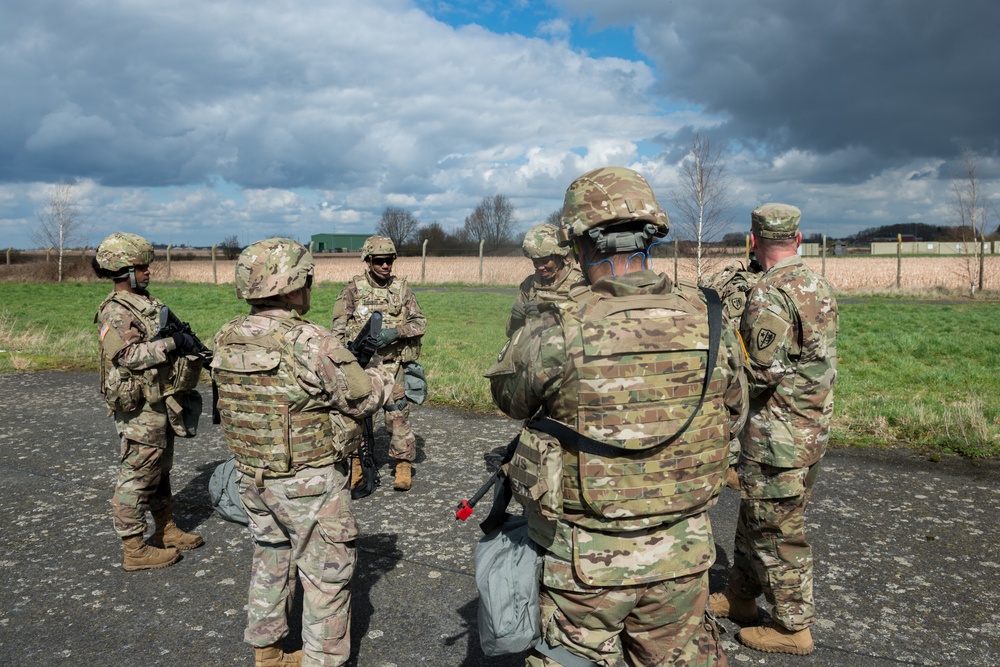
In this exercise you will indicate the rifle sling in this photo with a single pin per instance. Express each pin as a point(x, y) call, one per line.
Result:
point(570, 438)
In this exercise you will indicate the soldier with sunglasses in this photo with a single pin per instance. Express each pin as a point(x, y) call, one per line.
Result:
point(403, 325)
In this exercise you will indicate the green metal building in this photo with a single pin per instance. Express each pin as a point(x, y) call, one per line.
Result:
point(338, 242)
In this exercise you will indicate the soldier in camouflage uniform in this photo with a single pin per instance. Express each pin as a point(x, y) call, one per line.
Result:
point(290, 396)
point(553, 275)
point(615, 478)
point(733, 285)
point(403, 325)
point(790, 330)
point(144, 379)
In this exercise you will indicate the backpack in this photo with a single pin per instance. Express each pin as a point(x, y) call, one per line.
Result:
point(225, 493)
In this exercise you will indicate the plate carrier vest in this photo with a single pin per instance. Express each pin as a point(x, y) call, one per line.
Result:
point(271, 424)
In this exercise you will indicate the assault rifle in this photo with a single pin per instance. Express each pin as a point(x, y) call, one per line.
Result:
point(171, 324)
point(363, 348)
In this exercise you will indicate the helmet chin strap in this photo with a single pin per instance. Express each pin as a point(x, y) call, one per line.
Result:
point(133, 283)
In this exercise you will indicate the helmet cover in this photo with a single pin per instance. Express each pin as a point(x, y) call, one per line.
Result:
point(272, 267)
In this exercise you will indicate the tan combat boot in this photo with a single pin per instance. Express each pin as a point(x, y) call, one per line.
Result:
point(141, 556)
point(403, 473)
point(357, 474)
point(167, 534)
point(273, 656)
point(730, 605)
point(773, 638)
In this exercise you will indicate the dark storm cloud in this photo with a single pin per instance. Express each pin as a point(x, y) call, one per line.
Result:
point(897, 78)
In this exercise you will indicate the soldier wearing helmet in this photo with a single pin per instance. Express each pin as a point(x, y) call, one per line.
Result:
point(290, 398)
point(789, 326)
point(403, 325)
point(632, 387)
point(553, 275)
point(148, 382)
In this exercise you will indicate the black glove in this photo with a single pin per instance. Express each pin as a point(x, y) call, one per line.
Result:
point(387, 337)
point(185, 342)
point(521, 311)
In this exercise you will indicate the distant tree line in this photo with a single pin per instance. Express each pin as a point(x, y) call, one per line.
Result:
point(492, 223)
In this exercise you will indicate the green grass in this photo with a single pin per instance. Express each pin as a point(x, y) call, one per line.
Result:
point(917, 373)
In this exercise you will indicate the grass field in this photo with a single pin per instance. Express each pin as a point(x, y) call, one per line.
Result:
point(916, 373)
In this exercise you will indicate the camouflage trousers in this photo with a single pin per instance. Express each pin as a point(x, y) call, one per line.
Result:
point(772, 555)
point(661, 623)
point(143, 484)
point(402, 442)
point(302, 528)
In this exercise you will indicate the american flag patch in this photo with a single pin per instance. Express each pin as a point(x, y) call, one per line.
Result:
point(104, 330)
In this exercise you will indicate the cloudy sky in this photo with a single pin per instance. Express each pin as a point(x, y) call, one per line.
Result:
point(188, 121)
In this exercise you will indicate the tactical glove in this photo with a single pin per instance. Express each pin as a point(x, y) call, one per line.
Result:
point(521, 311)
point(184, 341)
point(387, 337)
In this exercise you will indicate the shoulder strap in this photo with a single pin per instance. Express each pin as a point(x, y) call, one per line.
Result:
point(567, 436)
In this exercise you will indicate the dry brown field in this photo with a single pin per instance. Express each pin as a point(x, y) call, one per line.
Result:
point(847, 274)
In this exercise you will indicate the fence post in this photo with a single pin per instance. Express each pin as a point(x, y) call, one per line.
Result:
point(8, 255)
point(823, 272)
point(215, 276)
point(982, 253)
point(168, 259)
point(899, 260)
point(481, 244)
point(423, 261)
point(48, 254)
point(746, 252)
point(676, 256)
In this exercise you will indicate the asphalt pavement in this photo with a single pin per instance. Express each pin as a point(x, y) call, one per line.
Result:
point(906, 551)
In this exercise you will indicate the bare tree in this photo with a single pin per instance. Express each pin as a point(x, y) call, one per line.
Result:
point(702, 195)
point(971, 209)
point(230, 247)
point(59, 223)
point(492, 221)
point(554, 217)
point(398, 224)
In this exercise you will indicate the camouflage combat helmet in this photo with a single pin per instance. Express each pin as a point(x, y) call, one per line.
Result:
point(122, 250)
point(775, 221)
point(377, 246)
point(271, 267)
point(610, 196)
point(543, 241)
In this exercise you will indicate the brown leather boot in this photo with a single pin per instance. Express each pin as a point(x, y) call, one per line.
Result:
point(403, 474)
point(141, 556)
point(167, 534)
point(273, 656)
point(730, 605)
point(774, 638)
point(357, 474)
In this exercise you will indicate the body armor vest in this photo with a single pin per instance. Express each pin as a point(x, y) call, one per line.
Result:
point(125, 389)
point(271, 424)
point(388, 300)
point(636, 369)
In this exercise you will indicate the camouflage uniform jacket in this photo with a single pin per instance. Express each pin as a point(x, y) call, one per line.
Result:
point(134, 367)
point(790, 331)
point(398, 305)
point(537, 374)
point(531, 290)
